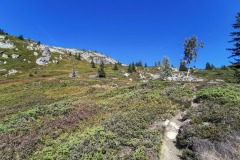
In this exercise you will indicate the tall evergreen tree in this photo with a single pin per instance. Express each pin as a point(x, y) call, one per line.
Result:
point(2, 31)
point(115, 67)
point(130, 68)
point(235, 51)
point(133, 67)
point(145, 65)
point(21, 37)
point(165, 67)
point(101, 72)
point(208, 66)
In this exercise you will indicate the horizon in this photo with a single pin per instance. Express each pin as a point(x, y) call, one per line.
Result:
point(127, 31)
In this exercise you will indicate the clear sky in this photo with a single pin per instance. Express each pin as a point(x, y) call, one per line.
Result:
point(127, 30)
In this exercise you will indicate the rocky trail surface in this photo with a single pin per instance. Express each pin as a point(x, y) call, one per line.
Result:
point(169, 149)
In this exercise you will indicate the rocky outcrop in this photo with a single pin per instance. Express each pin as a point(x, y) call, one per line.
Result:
point(44, 60)
point(6, 44)
point(85, 54)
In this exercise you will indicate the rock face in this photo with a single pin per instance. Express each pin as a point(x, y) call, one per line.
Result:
point(85, 54)
point(46, 55)
point(7, 44)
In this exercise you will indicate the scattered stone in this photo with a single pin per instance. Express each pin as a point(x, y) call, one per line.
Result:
point(12, 72)
point(219, 80)
point(172, 134)
point(55, 61)
point(3, 70)
point(166, 122)
point(14, 56)
point(130, 79)
point(35, 53)
point(155, 76)
point(4, 55)
point(126, 74)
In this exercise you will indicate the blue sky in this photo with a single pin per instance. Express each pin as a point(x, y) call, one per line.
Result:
point(127, 30)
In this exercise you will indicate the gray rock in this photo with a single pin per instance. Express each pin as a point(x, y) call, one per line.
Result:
point(14, 56)
point(12, 72)
point(44, 60)
point(4, 55)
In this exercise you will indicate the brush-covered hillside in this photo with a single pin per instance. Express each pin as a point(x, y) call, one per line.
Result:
point(47, 114)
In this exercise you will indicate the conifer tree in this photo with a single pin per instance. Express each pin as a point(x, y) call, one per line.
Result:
point(145, 65)
point(93, 64)
point(208, 66)
point(130, 68)
point(165, 67)
point(21, 37)
point(133, 67)
point(2, 31)
point(101, 72)
point(235, 51)
point(115, 67)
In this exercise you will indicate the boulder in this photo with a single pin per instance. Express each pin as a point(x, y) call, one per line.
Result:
point(4, 56)
point(35, 53)
point(12, 72)
point(14, 56)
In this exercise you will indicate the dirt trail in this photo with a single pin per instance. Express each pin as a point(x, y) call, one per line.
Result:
point(169, 150)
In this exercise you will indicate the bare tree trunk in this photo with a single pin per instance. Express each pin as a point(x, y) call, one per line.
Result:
point(188, 70)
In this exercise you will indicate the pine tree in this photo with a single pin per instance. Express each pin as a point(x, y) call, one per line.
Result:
point(101, 72)
point(208, 66)
point(133, 67)
point(236, 41)
point(182, 66)
point(130, 68)
point(165, 67)
point(115, 67)
point(21, 37)
point(236, 50)
point(93, 64)
point(2, 31)
point(145, 65)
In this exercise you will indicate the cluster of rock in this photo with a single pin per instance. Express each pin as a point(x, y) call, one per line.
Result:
point(45, 59)
point(6, 44)
point(182, 77)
